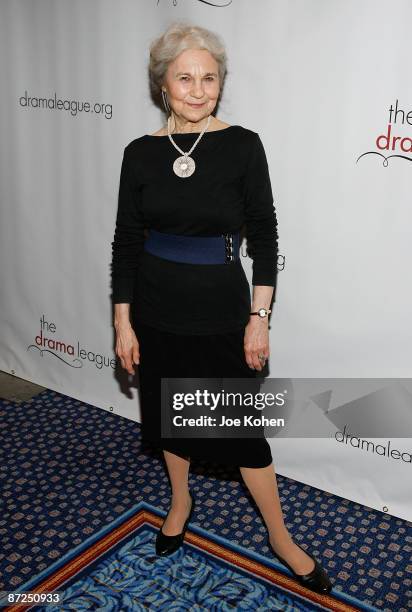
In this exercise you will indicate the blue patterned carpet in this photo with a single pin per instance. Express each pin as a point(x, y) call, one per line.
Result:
point(82, 501)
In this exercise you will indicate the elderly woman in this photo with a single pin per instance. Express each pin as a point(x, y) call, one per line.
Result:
point(182, 301)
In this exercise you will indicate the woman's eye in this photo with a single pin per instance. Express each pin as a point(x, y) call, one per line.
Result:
point(208, 78)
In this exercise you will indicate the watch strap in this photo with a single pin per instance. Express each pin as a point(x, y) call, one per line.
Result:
point(268, 311)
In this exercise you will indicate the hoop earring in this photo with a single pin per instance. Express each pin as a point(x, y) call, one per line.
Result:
point(166, 103)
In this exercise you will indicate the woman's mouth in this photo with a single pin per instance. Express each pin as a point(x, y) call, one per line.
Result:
point(197, 105)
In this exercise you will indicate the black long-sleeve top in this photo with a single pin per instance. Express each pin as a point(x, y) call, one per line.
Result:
point(229, 189)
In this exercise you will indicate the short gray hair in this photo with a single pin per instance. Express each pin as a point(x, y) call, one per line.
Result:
point(178, 37)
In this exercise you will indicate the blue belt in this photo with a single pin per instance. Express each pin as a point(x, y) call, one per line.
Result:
point(193, 249)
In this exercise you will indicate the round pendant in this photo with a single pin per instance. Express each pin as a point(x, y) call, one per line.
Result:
point(184, 166)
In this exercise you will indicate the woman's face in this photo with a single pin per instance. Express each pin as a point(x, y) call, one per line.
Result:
point(192, 84)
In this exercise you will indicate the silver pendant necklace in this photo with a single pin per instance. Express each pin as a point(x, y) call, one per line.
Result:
point(184, 166)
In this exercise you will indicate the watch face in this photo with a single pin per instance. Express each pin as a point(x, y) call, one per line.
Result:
point(262, 312)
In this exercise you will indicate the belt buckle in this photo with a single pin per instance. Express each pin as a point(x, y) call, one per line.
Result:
point(228, 247)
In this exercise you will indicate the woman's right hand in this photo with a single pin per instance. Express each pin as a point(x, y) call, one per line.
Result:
point(127, 347)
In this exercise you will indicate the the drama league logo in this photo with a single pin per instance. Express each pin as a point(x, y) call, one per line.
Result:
point(390, 141)
point(73, 355)
point(370, 417)
point(215, 4)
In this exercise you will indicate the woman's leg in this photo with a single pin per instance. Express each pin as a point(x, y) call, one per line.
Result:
point(178, 469)
point(262, 485)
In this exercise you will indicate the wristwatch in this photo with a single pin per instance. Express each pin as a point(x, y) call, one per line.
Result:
point(262, 312)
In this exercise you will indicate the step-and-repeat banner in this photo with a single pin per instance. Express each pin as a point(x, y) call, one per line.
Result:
point(326, 85)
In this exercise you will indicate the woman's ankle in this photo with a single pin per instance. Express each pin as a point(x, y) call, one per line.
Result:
point(280, 539)
point(181, 498)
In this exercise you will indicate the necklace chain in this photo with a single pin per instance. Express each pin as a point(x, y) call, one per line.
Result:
point(196, 141)
point(184, 166)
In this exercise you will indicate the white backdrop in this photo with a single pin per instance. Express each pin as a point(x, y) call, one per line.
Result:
point(316, 79)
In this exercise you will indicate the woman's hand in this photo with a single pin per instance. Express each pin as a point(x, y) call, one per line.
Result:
point(127, 346)
point(256, 342)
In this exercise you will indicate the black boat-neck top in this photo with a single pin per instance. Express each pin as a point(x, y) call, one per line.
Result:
point(229, 191)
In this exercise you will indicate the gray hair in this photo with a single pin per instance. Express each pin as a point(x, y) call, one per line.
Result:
point(178, 37)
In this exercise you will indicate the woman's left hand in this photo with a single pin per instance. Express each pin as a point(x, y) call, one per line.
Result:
point(256, 342)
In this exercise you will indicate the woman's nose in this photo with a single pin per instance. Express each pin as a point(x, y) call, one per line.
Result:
point(197, 89)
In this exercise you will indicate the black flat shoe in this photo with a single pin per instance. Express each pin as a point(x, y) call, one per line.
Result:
point(165, 544)
point(317, 580)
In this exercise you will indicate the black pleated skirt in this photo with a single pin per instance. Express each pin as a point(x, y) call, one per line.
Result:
point(166, 354)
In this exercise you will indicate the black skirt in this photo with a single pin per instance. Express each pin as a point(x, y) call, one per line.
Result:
point(166, 354)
